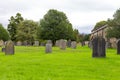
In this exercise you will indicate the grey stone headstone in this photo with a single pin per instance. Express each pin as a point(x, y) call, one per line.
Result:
point(9, 48)
point(3, 50)
point(74, 44)
point(48, 48)
point(42, 44)
point(25, 43)
point(57, 43)
point(36, 43)
point(49, 41)
point(62, 44)
point(2, 43)
point(69, 43)
point(98, 47)
point(118, 47)
point(19, 43)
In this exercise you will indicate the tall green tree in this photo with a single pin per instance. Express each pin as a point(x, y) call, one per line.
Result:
point(114, 25)
point(27, 31)
point(100, 24)
point(3, 33)
point(55, 25)
point(76, 35)
point(12, 26)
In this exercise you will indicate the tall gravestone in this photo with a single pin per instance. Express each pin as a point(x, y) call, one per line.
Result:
point(73, 44)
point(98, 47)
point(48, 48)
point(9, 48)
point(69, 43)
point(118, 47)
point(62, 44)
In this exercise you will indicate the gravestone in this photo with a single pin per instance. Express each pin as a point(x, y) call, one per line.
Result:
point(73, 44)
point(25, 43)
point(3, 50)
point(98, 47)
point(108, 44)
point(69, 43)
point(49, 42)
point(118, 47)
point(42, 44)
point(57, 43)
point(19, 43)
point(62, 44)
point(9, 48)
point(48, 48)
point(36, 43)
point(2, 43)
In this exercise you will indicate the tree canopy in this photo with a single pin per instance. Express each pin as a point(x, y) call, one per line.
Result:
point(114, 25)
point(100, 24)
point(55, 25)
point(3, 33)
point(12, 26)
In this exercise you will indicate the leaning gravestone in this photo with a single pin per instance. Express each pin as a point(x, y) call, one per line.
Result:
point(118, 47)
point(36, 43)
point(9, 48)
point(73, 44)
point(2, 43)
point(69, 43)
point(98, 47)
point(62, 44)
point(48, 48)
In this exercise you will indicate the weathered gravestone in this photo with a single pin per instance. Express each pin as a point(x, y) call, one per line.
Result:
point(2, 43)
point(9, 48)
point(62, 44)
point(73, 44)
point(57, 43)
point(98, 47)
point(25, 43)
point(19, 43)
point(118, 47)
point(36, 43)
point(48, 48)
point(49, 42)
point(69, 43)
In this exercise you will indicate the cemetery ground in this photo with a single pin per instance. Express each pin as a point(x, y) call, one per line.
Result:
point(32, 63)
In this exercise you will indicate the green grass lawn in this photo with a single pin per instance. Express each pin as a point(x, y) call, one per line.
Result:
point(32, 63)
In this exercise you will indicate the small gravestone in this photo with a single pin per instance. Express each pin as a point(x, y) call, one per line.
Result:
point(73, 44)
point(9, 48)
point(57, 43)
point(19, 43)
point(48, 48)
point(62, 44)
point(3, 50)
point(42, 44)
point(36, 43)
point(118, 47)
point(69, 43)
point(2, 43)
point(25, 43)
point(98, 47)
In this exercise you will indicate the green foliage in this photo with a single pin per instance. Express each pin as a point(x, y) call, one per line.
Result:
point(54, 26)
point(12, 26)
point(31, 63)
point(27, 31)
point(76, 35)
point(3, 33)
point(84, 37)
point(114, 26)
point(100, 24)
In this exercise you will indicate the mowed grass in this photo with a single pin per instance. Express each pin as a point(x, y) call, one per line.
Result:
point(32, 63)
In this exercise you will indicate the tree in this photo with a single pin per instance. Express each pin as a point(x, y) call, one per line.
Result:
point(3, 33)
point(114, 25)
point(100, 24)
point(27, 31)
point(76, 35)
point(55, 25)
point(12, 26)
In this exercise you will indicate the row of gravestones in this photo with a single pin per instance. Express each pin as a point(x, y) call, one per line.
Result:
point(62, 44)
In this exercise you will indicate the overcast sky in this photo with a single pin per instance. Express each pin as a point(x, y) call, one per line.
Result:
point(83, 14)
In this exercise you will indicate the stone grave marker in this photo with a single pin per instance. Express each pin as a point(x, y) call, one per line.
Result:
point(73, 44)
point(36, 43)
point(62, 44)
point(48, 48)
point(19, 43)
point(118, 47)
point(69, 43)
point(98, 47)
point(9, 48)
